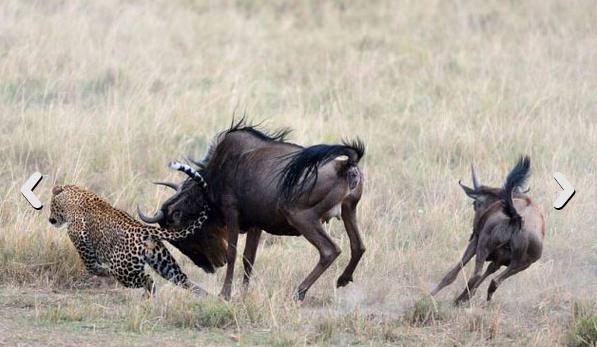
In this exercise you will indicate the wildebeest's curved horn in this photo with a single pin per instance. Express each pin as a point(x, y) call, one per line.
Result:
point(155, 219)
point(469, 191)
point(476, 184)
point(197, 163)
point(196, 176)
point(168, 184)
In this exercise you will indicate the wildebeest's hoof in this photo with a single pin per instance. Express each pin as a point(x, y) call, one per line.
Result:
point(342, 281)
point(461, 300)
point(492, 288)
point(299, 295)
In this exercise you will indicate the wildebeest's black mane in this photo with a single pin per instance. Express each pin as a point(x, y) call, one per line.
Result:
point(279, 135)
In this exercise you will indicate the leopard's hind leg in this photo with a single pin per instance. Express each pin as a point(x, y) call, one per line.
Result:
point(160, 259)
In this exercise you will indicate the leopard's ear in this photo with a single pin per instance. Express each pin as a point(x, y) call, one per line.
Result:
point(57, 190)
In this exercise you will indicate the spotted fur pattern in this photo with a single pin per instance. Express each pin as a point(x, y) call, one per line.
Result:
point(112, 243)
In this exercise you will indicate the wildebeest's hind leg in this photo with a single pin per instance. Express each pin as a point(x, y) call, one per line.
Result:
point(251, 245)
point(159, 258)
point(520, 260)
point(511, 270)
point(481, 256)
point(309, 225)
point(357, 248)
point(451, 276)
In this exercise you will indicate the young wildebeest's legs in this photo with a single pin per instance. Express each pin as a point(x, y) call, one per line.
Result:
point(513, 269)
point(470, 291)
point(159, 258)
point(349, 217)
point(251, 245)
point(451, 276)
point(522, 258)
point(482, 254)
point(309, 225)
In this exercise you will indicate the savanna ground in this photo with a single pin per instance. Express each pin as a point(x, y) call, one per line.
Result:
point(104, 94)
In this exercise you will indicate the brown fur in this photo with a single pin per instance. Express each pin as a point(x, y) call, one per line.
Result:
point(496, 238)
point(248, 174)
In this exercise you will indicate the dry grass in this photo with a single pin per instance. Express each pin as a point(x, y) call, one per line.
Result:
point(104, 94)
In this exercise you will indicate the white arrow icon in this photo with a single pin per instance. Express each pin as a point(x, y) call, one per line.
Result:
point(27, 190)
point(564, 196)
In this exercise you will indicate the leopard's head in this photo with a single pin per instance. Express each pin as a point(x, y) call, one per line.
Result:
point(59, 206)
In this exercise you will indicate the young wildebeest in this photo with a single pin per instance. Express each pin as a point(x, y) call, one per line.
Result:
point(507, 231)
point(261, 182)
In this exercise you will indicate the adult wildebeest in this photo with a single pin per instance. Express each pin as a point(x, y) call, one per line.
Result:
point(257, 181)
point(507, 231)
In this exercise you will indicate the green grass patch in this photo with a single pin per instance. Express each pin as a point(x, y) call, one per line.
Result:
point(425, 311)
point(197, 313)
point(583, 330)
point(69, 313)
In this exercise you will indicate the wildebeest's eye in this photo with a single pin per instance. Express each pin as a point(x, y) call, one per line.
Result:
point(476, 204)
point(176, 215)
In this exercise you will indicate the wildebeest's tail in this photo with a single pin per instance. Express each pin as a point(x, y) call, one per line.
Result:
point(305, 163)
point(516, 178)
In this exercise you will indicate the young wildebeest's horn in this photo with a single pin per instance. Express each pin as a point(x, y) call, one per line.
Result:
point(476, 184)
point(196, 176)
point(155, 219)
point(469, 191)
point(168, 184)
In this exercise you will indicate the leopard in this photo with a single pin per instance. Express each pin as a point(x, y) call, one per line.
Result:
point(112, 243)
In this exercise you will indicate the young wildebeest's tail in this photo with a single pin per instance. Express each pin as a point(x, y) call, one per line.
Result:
point(516, 178)
point(305, 162)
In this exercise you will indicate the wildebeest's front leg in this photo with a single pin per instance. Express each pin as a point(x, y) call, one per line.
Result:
point(469, 253)
point(251, 245)
point(470, 291)
point(482, 254)
point(231, 217)
point(357, 248)
point(309, 225)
